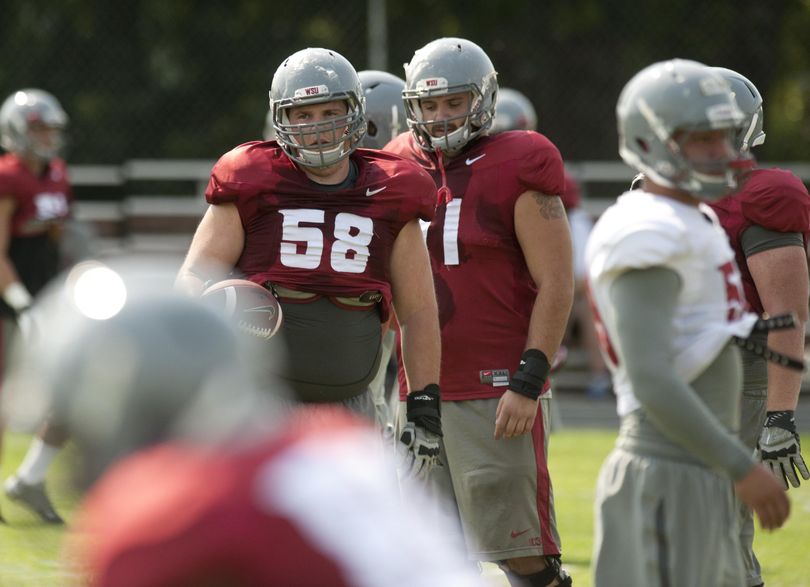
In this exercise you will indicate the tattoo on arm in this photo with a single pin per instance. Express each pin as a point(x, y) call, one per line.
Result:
point(550, 206)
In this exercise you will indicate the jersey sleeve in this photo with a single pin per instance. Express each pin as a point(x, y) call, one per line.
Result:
point(232, 178)
point(541, 166)
point(424, 191)
point(777, 200)
point(642, 247)
point(571, 196)
point(8, 185)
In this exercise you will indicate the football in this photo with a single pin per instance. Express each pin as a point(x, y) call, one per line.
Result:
point(252, 308)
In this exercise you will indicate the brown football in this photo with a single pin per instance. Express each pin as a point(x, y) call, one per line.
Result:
point(251, 307)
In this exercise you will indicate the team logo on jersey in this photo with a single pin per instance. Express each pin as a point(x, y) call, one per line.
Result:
point(494, 377)
point(311, 91)
point(474, 159)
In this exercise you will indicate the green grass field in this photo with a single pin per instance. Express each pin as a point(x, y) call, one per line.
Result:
point(30, 551)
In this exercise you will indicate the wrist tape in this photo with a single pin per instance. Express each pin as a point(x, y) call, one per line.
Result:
point(531, 375)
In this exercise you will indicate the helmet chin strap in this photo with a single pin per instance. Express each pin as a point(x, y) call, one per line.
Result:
point(323, 158)
point(452, 142)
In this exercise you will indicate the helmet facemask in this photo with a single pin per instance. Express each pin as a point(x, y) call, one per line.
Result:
point(468, 126)
point(336, 138)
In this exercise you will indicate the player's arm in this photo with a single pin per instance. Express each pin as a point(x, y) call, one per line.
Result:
point(778, 265)
point(416, 308)
point(780, 276)
point(644, 302)
point(214, 250)
point(418, 316)
point(545, 239)
point(14, 293)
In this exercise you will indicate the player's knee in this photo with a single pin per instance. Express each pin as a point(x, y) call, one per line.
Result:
point(540, 571)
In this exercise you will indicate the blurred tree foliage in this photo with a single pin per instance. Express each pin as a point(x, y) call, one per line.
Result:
point(189, 79)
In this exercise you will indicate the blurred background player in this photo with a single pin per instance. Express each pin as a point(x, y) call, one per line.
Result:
point(193, 472)
point(35, 203)
point(669, 299)
point(515, 111)
point(501, 257)
point(334, 232)
point(767, 221)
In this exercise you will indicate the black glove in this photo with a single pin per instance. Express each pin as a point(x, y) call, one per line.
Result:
point(420, 437)
point(780, 450)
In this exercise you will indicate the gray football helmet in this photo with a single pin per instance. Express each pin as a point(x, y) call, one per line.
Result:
point(21, 111)
point(385, 111)
point(315, 76)
point(750, 102)
point(450, 66)
point(513, 111)
point(665, 100)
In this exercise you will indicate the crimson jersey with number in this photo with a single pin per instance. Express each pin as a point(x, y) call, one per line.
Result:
point(774, 199)
point(299, 236)
point(483, 286)
point(41, 205)
point(315, 505)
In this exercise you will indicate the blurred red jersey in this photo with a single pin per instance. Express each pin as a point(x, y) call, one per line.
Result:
point(771, 198)
point(303, 237)
point(483, 286)
point(40, 202)
point(314, 505)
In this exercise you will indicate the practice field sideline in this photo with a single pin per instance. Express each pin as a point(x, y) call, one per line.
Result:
point(30, 551)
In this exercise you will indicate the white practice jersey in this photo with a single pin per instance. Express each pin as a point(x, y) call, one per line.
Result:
point(643, 230)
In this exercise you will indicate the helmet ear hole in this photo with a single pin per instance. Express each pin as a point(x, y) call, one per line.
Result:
point(642, 144)
point(371, 129)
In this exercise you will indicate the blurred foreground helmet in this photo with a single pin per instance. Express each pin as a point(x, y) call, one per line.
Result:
point(385, 111)
point(513, 111)
point(315, 76)
point(269, 132)
point(23, 116)
point(450, 66)
point(123, 361)
point(749, 101)
point(659, 106)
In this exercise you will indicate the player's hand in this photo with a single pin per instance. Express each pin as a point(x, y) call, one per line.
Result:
point(421, 451)
point(764, 494)
point(515, 415)
point(421, 435)
point(779, 448)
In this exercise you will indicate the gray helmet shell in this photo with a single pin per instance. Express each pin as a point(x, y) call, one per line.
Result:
point(749, 101)
point(385, 110)
point(19, 111)
point(449, 66)
point(672, 96)
point(315, 76)
point(513, 111)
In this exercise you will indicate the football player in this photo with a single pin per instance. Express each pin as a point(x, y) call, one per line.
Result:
point(669, 300)
point(767, 221)
point(194, 477)
point(501, 256)
point(334, 231)
point(35, 202)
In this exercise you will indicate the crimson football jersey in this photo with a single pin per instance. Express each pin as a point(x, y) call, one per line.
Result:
point(774, 199)
point(483, 286)
point(332, 243)
point(571, 196)
point(314, 505)
point(41, 205)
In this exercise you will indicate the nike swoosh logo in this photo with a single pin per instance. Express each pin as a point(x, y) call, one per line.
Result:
point(516, 534)
point(371, 192)
point(474, 159)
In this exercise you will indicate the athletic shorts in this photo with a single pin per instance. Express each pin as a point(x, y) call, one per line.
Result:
point(501, 488)
point(663, 522)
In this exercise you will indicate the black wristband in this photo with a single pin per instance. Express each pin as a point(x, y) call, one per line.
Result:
point(782, 419)
point(424, 408)
point(530, 378)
